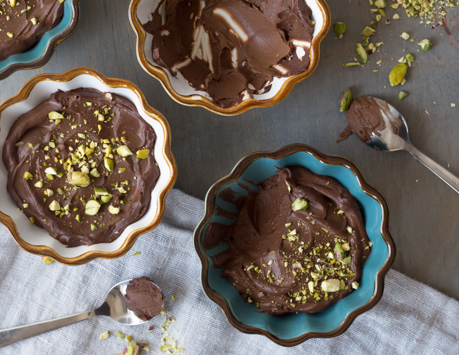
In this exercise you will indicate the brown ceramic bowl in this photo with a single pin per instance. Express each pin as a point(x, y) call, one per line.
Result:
point(36, 240)
point(293, 329)
point(38, 55)
point(183, 93)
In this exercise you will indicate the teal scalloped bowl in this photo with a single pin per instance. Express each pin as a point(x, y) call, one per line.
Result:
point(41, 52)
point(290, 330)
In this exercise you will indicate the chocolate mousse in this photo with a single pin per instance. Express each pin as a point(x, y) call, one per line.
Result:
point(298, 245)
point(24, 22)
point(230, 48)
point(81, 165)
point(365, 117)
point(144, 298)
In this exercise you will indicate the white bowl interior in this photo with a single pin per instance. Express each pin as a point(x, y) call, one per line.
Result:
point(38, 236)
point(180, 84)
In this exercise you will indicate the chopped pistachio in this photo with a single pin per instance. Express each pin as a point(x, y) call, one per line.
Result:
point(49, 192)
point(50, 171)
point(124, 151)
point(47, 260)
point(355, 285)
point(109, 164)
point(53, 115)
point(381, 4)
point(78, 218)
point(104, 335)
point(10, 34)
point(397, 74)
point(39, 184)
point(120, 335)
point(351, 64)
point(410, 58)
point(28, 176)
point(368, 31)
point(300, 204)
point(78, 178)
point(405, 36)
point(339, 252)
point(100, 191)
point(106, 199)
point(339, 28)
point(34, 21)
point(143, 154)
point(54, 206)
point(93, 227)
point(362, 53)
point(425, 44)
point(330, 285)
point(113, 210)
point(92, 207)
point(345, 99)
point(94, 172)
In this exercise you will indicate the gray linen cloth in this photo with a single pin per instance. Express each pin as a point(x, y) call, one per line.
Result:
point(411, 318)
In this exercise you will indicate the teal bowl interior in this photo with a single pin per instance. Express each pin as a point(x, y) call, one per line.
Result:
point(296, 325)
point(35, 53)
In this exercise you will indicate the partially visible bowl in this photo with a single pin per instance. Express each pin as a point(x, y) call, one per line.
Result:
point(293, 329)
point(36, 240)
point(41, 52)
point(180, 90)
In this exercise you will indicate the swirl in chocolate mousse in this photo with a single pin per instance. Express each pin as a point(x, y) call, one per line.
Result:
point(144, 298)
point(24, 22)
point(81, 165)
point(230, 48)
point(298, 245)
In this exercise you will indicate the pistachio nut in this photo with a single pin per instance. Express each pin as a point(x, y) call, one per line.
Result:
point(355, 285)
point(53, 115)
point(330, 285)
point(47, 260)
point(54, 206)
point(113, 210)
point(78, 178)
point(362, 53)
point(340, 28)
point(345, 100)
point(124, 151)
point(425, 44)
point(100, 191)
point(104, 335)
point(397, 74)
point(28, 176)
point(380, 4)
point(368, 31)
point(402, 95)
point(92, 207)
point(339, 252)
point(299, 204)
point(93, 227)
point(106, 199)
point(109, 164)
point(405, 36)
point(143, 154)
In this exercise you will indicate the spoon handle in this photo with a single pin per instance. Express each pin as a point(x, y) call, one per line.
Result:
point(12, 335)
point(450, 179)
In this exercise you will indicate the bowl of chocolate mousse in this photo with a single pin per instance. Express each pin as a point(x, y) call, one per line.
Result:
point(30, 31)
point(229, 55)
point(294, 244)
point(86, 166)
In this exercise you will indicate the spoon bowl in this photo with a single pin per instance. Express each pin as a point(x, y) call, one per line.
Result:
point(114, 307)
point(394, 137)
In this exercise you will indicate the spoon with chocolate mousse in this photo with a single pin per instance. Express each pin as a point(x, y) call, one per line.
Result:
point(380, 126)
point(130, 302)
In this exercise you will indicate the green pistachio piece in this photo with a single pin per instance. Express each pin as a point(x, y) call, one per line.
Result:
point(92, 207)
point(300, 204)
point(34, 21)
point(425, 44)
point(113, 210)
point(47, 260)
point(55, 116)
point(345, 100)
point(122, 190)
point(339, 252)
point(100, 191)
point(351, 64)
point(340, 28)
point(104, 335)
point(362, 53)
point(368, 31)
point(402, 95)
point(78, 218)
point(39, 184)
point(366, 42)
point(164, 347)
point(405, 36)
point(124, 151)
point(311, 286)
point(93, 227)
point(143, 154)
point(120, 335)
point(78, 178)
point(94, 172)
point(132, 348)
point(397, 74)
point(106, 199)
point(346, 261)
point(28, 176)
point(330, 285)
point(109, 164)
point(380, 4)
point(355, 285)
point(346, 246)
point(60, 174)
point(410, 58)
point(49, 192)
point(54, 206)
point(50, 171)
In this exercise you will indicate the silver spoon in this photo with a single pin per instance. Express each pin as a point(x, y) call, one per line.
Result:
point(395, 137)
point(114, 307)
